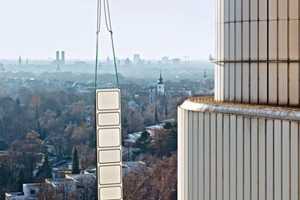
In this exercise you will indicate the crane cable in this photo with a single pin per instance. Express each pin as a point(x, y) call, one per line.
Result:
point(109, 29)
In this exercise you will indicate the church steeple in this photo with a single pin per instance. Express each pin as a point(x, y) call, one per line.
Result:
point(160, 80)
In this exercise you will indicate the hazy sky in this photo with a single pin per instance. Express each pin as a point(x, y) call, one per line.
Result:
point(35, 29)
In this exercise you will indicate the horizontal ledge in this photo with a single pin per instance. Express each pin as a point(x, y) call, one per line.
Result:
point(247, 110)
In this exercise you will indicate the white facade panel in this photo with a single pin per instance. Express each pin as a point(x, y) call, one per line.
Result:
point(238, 82)
point(219, 156)
point(246, 83)
point(277, 160)
point(232, 82)
point(231, 10)
point(226, 157)
point(263, 83)
point(233, 157)
point(254, 83)
point(247, 158)
point(294, 40)
point(245, 11)
point(240, 158)
point(195, 152)
point(238, 41)
point(294, 84)
point(263, 9)
point(263, 40)
point(254, 158)
point(283, 84)
point(226, 82)
point(190, 157)
point(293, 9)
point(254, 41)
point(270, 160)
point(286, 160)
point(207, 166)
point(232, 41)
point(246, 41)
point(213, 146)
point(273, 7)
point(273, 83)
point(226, 41)
point(283, 40)
point(282, 9)
point(273, 44)
point(238, 10)
point(253, 10)
point(201, 156)
point(262, 159)
point(294, 160)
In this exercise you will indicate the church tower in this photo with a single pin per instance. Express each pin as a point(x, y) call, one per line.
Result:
point(160, 86)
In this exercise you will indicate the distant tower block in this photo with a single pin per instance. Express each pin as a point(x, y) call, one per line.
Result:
point(20, 61)
point(62, 57)
point(57, 57)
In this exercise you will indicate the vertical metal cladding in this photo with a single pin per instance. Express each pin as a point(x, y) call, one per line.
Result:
point(257, 51)
point(231, 156)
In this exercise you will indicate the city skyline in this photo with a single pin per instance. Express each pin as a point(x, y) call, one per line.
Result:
point(35, 29)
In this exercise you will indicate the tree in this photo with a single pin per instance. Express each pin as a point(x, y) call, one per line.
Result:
point(75, 162)
point(46, 167)
point(143, 141)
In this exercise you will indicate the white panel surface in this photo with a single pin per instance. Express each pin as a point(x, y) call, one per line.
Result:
point(293, 9)
point(195, 155)
point(109, 119)
point(263, 83)
point(238, 42)
point(282, 40)
point(226, 82)
point(294, 160)
point(231, 10)
point(286, 160)
point(294, 84)
point(226, 157)
point(190, 162)
point(253, 10)
point(245, 11)
point(110, 137)
point(272, 10)
point(226, 42)
point(246, 83)
point(233, 157)
point(273, 44)
point(263, 9)
point(109, 175)
point(108, 100)
point(240, 158)
point(232, 83)
point(238, 10)
point(254, 83)
point(207, 167)
point(263, 40)
point(283, 84)
point(282, 9)
point(273, 83)
point(238, 83)
point(254, 158)
point(277, 160)
point(110, 156)
point(219, 156)
point(213, 146)
point(110, 193)
point(262, 158)
point(247, 156)
point(294, 40)
point(232, 41)
point(201, 156)
point(254, 40)
point(246, 41)
point(270, 160)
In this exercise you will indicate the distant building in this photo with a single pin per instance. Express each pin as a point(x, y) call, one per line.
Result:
point(58, 61)
point(136, 58)
point(165, 60)
point(151, 94)
point(176, 61)
point(62, 61)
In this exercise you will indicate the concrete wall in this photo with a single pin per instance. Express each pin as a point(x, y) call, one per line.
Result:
point(257, 51)
point(233, 156)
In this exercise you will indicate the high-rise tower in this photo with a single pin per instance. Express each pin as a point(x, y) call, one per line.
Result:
point(62, 58)
point(244, 142)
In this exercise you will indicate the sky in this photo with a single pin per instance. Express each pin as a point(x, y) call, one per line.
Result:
point(36, 29)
